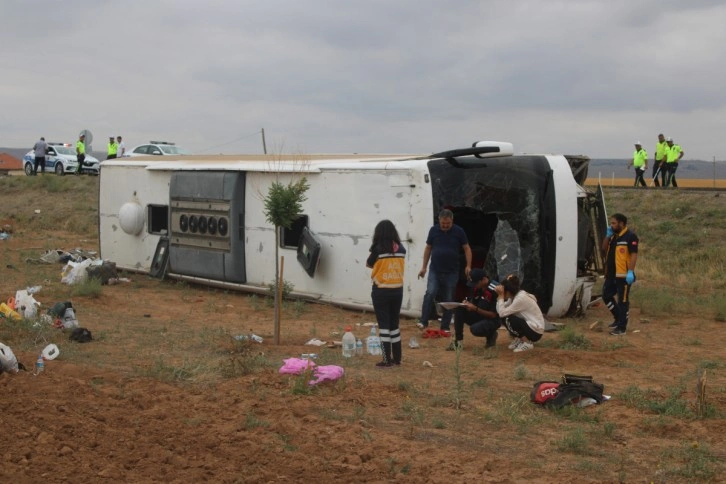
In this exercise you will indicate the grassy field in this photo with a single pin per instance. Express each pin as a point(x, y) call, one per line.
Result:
point(166, 393)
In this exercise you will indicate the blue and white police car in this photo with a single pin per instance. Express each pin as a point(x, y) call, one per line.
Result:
point(61, 158)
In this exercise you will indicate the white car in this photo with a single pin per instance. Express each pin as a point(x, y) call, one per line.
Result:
point(61, 158)
point(158, 148)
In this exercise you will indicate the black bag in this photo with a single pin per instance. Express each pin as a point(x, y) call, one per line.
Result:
point(81, 335)
point(573, 389)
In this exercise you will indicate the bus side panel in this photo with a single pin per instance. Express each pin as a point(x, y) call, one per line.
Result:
point(121, 185)
point(343, 208)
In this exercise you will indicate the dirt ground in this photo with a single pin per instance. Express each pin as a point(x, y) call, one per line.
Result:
point(164, 394)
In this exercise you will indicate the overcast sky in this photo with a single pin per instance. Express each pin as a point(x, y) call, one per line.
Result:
point(569, 76)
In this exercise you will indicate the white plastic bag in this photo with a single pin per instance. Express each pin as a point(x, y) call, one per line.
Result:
point(69, 320)
point(8, 362)
point(75, 272)
point(26, 304)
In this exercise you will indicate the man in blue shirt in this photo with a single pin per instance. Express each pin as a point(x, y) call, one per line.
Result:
point(443, 247)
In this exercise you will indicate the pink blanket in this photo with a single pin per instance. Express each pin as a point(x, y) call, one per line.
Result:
point(296, 366)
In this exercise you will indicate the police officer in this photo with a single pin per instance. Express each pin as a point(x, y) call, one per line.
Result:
point(673, 156)
point(640, 162)
point(112, 148)
point(659, 160)
point(80, 152)
point(620, 247)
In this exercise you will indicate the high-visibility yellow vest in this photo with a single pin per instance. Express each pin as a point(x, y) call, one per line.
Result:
point(673, 153)
point(80, 147)
point(660, 150)
point(112, 148)
point(639, 158)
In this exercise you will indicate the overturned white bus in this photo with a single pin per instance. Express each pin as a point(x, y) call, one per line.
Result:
point(201, 219)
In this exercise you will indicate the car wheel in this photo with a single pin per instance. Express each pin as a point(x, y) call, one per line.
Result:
point(59, 169)
point(29, 169)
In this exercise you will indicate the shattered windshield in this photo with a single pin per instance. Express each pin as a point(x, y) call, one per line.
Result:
point(506, 207)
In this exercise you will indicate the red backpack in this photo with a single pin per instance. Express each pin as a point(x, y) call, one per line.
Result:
point(543, 391)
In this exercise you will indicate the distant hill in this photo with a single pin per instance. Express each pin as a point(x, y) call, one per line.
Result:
point(694, 169)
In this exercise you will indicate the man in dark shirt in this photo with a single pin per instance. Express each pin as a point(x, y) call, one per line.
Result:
point(479, 311)
point(443, 246)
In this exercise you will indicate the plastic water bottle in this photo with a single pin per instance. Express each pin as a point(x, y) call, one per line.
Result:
point(374, 343)
point(348, 343)
point(358, 347)
point(39, 365)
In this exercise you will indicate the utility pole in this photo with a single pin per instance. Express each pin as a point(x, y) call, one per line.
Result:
point(714, 172)
point(264, 145)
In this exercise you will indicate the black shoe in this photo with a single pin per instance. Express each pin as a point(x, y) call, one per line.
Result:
point(455, 345)
point(492, 340)
point(618, 332)
point(384, 364)
point(614, 324)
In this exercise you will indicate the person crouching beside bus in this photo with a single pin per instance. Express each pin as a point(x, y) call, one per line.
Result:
point(386, 258)
point(479, 311)
point(520, 313)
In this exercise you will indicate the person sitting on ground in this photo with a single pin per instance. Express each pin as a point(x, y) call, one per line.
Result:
point(479, 311)
point(520, 313)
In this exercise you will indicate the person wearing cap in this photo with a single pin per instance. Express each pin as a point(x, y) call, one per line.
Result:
point(444, 245)
point(659, 160)
point(520, 314)
point(640, 162)
point(112, 148)
point(479, 311)
point(39, 148)
point(121, 147)
point(674, 153)
point(80, 152)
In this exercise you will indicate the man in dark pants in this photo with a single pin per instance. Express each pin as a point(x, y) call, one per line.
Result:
point(443, 247)
point(620, 247)
point(479, 311)
point(659, 160)
point(81, 152)
point(640, 163)
point(39, 150)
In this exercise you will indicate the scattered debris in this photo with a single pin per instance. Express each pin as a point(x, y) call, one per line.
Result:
point(412, 343)
point(81, 335)
point(315, 342)
point(428, 364)
point(596, 326)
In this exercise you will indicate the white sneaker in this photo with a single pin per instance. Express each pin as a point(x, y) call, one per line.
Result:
point(523, 346)
point(515, 342)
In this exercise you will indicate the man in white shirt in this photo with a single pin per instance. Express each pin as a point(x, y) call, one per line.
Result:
point(121, 147)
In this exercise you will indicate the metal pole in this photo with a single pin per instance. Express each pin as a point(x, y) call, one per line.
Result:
point(264, 145)
point(714, 172)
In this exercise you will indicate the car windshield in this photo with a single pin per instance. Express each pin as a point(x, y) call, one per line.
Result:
point(65, 150)
point(173, 150)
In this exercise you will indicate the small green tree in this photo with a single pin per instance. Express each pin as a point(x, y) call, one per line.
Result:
point(283, 204)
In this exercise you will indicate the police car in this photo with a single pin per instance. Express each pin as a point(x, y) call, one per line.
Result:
point(61, 158)
point(158, 148)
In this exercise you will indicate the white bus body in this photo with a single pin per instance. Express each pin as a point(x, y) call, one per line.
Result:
point(523, 214)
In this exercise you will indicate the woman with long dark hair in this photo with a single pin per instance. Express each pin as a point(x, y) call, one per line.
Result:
point(386, 258)
point(520, 313)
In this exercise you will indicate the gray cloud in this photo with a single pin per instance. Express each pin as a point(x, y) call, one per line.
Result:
point(562, 76)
